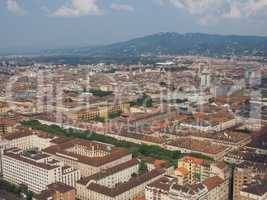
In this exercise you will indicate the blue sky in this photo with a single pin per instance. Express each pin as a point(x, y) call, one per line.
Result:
point(63, 23)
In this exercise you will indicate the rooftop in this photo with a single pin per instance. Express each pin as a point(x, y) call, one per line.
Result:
point(213, 182)
point(259, 188)
point(110, 171)
point(63, 150)
point(123, 187)
point(17, 154)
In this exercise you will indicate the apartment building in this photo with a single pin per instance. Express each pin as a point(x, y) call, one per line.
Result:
point(35, 169)
point(246, 173)
point(167, 188)
point(183, 176)
point(121, 182)
point(6, 126)
point(25, 139)
point(193, 179)
point(208, 148)
point(255, 191)
point(87, 156)
point(102, 111)
point(196, 170)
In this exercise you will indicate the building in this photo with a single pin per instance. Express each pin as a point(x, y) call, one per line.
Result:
point(196, 170)
point(3, 146)
point(194, 179)
point(102, 111)
point(205, 79)
point(255, 191)
point(26, 139)
point(121, 182)
point(6, 126)
point(183, 176)
point(35, 170)
point(167, 188)
point(245, 174)
point(88, 156)
point(258, 101)
point(245, 154)
point(4, 107)
point(56, 191)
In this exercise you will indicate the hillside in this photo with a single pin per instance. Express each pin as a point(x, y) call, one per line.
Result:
point(175, 43)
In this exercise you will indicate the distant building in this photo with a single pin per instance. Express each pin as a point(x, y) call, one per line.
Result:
point(101, 111)
point(205, 79)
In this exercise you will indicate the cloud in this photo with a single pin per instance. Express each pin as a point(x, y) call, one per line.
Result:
point(15, 8)
point(209, 11)
point(76, 8)
point(122, 7)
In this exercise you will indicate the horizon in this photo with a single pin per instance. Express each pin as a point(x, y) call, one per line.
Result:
point(75, 23)
point(34, 50)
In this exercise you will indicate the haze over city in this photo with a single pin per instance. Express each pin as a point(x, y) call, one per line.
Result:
point(38, 24)
point(133, 99)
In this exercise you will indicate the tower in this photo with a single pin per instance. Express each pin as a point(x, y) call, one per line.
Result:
point(205, 79)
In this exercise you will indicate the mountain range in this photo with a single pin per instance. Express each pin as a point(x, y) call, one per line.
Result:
point(175, 44)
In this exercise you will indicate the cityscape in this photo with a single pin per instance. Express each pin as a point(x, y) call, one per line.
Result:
point(165, 115)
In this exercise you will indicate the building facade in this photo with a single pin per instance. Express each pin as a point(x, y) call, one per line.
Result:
point(35, 170)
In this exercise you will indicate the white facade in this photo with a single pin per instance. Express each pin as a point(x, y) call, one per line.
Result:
point(29, 142)
point(36, 174)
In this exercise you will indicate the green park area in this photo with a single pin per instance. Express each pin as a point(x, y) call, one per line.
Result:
point(136, 149)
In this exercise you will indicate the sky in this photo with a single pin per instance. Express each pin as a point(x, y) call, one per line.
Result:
point(45, 24)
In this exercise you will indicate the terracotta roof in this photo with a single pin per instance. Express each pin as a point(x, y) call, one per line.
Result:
point(60, 187)
point(8, 122)
point(52, 188)
point(213, 182)
point(140, 198)
point(16, 135)
point(259, 188)
point(198, 145)
point(123, 187)
point(182, 170)
point(60, 150)
point(109, 171)
point(159, 163)
point(194, 160)
point(189, 189)
point(164, 183)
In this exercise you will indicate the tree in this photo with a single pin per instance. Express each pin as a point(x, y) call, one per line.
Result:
point(163, 84)
point(29, 195)
point(142, 168)
point(134, 175)
point(100, 119)
point(113, 115)
point(145, 100)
